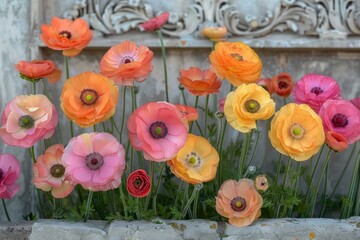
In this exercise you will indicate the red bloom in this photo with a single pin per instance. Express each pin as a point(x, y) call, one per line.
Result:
point(156, 22)
point(138, 184)
point(282, 84)
point(37, 69)
point(336, 141)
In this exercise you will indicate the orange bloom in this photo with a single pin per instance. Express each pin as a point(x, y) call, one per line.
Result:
point(89, 98)
point(198, 82)
point(239, 201)
point(214, 33)
point(261, 183)
point(35, 70)
point(336, 141)
point(236, 62)
point(266, 84)
point(282, 84)
point(69, 36)
point(125, 63)
point(190, 113)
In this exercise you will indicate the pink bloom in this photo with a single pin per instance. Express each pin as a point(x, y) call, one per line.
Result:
point(356, 102)
point(336, 141)
point(190, 113)
point(37, 69)
point(156, 22)
point(342, 117)
point(158, 129)
point(221, 103)
point(27, 119)
point(9, 174)
point(49, 172)
point(315, 89)
point(94, 160)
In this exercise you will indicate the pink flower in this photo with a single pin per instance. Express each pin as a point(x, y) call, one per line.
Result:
point(343, 117)
point(49, 172)
point(315, 89)
point(156, 22)
point(9, 174)
point(94, 160)
point(158, 129)
point(356, 102)
point(27, 119)
point(221, 104)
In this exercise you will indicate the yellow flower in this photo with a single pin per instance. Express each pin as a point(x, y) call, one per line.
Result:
point(214, 33)
point(297, 131)
point(248, 103)
point(196, 162)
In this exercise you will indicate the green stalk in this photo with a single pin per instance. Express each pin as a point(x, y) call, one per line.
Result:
point(88, 204)
point(34, 88)
point(158, 186)
point(244, 155)
point(296, 186)
point(195, 106)
point(67, 77)
point(137, 209)
point(313, 173)
point(152, 176)
point(192, 197)
point(323, 207)
point(5, 209)
point(206, 114)
point(278, 169)
point(123, 115)
point(195, 205)
point(284, 101)
point(253, 153)
point(122, 196)
point(163, 55)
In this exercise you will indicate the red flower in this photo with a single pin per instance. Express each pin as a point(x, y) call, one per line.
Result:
point(156, 22)
point(336, 141)
point(138, 184)
point(282, 84)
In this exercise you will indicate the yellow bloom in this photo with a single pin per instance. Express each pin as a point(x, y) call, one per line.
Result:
point(196, 162)
point(214, 33)
point(297, 131)
point(248, 103)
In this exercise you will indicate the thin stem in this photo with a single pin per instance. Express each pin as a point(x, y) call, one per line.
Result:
point(198, 126)
point(296, 186)
point(192, 197)
point(45, 89)
point(206, 114)
point(158, 186)
point(113, 124)
point(183, 97)
point(286, 172)
point(88, 205)
point(195, 205)
point(195, 106)
point(244, 155)
point(313, 172)
point(177, 193)
point(218, 146)
point(123, 114)
point(163, 55)
point(94, 128)
point(284, 101)
point(67, 77)
point(323, 207)
point(137, 208)
point(122, 196)
point(32, 153)
point(152, 176)
point(5, 209)
point(253, 153)
point(34, 88)
point(133, 98)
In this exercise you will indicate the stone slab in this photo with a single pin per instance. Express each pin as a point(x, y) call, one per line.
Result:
point(15, 231)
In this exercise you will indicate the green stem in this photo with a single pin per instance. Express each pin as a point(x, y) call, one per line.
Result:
point(94, 128)
point(218, 146)
point(137, 208)
point(206, 114)
point(313, 173)
point(88, 205)
point(5, 209)
point(192, 197)
point(34, 88)
point(323, 207)
point(152, 176)
point(158, 187)
point(284, 101)
point(286, 172)
point(178, 192)
point(253, 153)
point(113, 124)
point(32, 153)
point(296, 186)
point(163, 55)
point(123, 115)
point(244, 154)
point(66, 59)
point(183, 97)
point(195, 205)
point(198, 126)
point(122, 196)
point(195, 106)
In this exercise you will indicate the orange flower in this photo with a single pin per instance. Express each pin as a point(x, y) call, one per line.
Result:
point(69, 36)
point(261, 183)
point(282, 84)
point(198, 82)
point(336, 141)
point(35, 70)
point(239, 201)
point(214, 33)
point(190, 113)
point(89, 98)
point(236, 62)
point(125, 63)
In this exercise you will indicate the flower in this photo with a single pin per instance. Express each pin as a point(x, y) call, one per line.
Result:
point(35, 70)
point(356, 102)
point(342, 117)
point(49, 172)
point(158, 129)
point(261, 183)
point(314, 90)
point(296, 131)
point(215, 34)
point(221, 104)
point(94, 160)
point(89, 98)
point(239, 201)
point(336, 141)
point(196, 162)
point(190, 113)
point(125, 63)
point(9, 174)
point(236, 62)
point(282, 84)
point(266, 84)
point(198, 82)
point(26, 119)
point(156, 22)
point(69, 36)
point(138, 183)
point(248, 103)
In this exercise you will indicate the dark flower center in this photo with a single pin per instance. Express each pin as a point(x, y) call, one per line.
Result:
point(94, 160)
point(57, 170)
point(238, 204)
point(252, 106)
point(297, 131)
point(127, 60)
point(158, 130)
point(237, 56)
point(1, 174)
point(65, 34)
point(316, 90)
point(283, 84)
point(138, 182)
point(88, 96)
point(26, 122)
point(339, 120)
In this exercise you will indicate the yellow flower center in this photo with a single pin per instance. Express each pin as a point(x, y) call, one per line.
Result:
point(88, 96)
point(252, 106)
point(238, 204)
point(158, 130)
point(237, 56)
point(297, 131)
point(26, 122)
point(193, 160)
point(65, 34)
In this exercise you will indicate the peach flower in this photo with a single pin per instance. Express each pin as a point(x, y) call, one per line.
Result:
point(282, 84)
point(261, 183)
point(9, 174)
point(336, 141)
point(214, 33)
point(221, 104)
point(190, 113)
point(35, 70)
point(155, 23)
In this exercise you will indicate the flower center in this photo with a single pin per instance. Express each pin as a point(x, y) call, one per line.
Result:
point(138, 182)
point(297, 131)
point(94, 160)
point(237, 56)
point(316, 90)
point(26, 122)
point(65, 34)
point(1, 174)
point(339, 120)
point(127, 60)
point(238, 204)
point(193, 160)
point(283, 84)
point(57, 170)
point(158, 130)
point(88, 96)
point(252, 106)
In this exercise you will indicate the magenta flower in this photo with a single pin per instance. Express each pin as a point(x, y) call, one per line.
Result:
point(9, 174)
point(356, 102)
point(27, 119)
point(94, 160)
point(221, 104)
point(315, 89)
point(343, 117)
point(158, 129)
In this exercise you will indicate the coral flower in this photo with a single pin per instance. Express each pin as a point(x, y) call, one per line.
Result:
point(198, 82)
point(221, 104)
point(215, 34)
point(282, 84)
point(239, 201)
point(138, 184)
point(261, 183)
point(69, 36)
point(196, 161)
point(266, 84)
point(9, 174)
point(248, 103)
point(297, 131)
point(342, 117)
point(89, 98)
point(125, 63)
point(236, 62)
point(155, 23)
point(27, 119)
point(35, 70)
point(49, 172)
point(336, 141)
point(356, 102)
point(94, 160)
point(314, 90)
point(158, 129)
point(190, 113)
